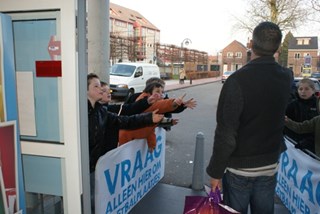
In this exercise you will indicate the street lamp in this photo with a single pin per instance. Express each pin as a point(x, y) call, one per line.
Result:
point(186, 42)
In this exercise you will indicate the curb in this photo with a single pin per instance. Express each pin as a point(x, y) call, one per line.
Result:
point(187, 85)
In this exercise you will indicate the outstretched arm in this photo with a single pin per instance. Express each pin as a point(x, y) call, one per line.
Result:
point(112, 120)
point(307, 126)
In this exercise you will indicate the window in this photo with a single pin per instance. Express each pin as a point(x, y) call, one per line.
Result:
point(150, 31)
point(238, 55)
point(297, 55)
point(229, 55)
point(120, 23)
point(303, 41)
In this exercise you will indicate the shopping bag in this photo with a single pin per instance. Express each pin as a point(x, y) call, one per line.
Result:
point(210, 204)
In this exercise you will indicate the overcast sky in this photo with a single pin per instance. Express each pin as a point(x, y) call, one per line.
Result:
point(209, 24)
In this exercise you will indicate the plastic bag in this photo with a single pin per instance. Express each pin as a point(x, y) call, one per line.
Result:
point(210, 204)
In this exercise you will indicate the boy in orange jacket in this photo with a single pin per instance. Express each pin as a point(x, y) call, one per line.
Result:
point(164, 105)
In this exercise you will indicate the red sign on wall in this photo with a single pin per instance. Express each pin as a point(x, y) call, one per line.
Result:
point(48, 68)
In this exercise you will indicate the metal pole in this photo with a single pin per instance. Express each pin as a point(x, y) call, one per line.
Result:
point(198, 167)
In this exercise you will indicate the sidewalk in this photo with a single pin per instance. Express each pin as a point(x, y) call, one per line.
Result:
point(169, 199)
point(174, 84)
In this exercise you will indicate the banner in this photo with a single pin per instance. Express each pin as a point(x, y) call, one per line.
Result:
point(125, 175)
point(298, 181)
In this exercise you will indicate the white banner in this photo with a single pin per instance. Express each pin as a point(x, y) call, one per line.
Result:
point(298, 181)
point(126, 174)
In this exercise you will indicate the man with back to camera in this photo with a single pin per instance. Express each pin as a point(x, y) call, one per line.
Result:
point(250, 120)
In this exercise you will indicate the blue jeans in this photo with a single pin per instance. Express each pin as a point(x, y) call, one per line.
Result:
point(240, 191)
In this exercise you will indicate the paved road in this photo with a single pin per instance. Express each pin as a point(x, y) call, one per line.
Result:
point(180, 147)
point(180, 144)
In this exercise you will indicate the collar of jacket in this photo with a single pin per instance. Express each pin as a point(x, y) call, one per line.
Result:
point(262, 59)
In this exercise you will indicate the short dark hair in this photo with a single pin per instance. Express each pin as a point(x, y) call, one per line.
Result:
point(266, 39)
point(149, 88)
point(155, 79)
point(103, 83)
point(91, 76)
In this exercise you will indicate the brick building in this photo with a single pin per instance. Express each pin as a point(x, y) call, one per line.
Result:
point(234, 56)
point(132, 36)
point(300, 51)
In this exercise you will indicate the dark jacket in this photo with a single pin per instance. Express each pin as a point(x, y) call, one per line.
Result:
point(100, 120)
point(300, 110)
point(250, 117)
point(112, 135)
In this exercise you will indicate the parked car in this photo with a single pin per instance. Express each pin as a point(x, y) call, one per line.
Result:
point(316, 84)
point(316, 75)
point(225, 75)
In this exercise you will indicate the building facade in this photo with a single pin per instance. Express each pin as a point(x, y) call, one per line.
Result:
point(303, 55)
point(132, 36)
point(234, 56)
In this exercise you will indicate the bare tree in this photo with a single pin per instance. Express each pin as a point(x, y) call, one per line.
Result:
point(288, 14)
point(315, 5)
point(314, 11)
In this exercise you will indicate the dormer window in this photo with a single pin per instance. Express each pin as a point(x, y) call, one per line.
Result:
point(303, 41)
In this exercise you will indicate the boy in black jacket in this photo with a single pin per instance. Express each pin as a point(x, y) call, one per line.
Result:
point(100, 120)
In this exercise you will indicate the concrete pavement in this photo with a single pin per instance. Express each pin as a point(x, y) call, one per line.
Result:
point(174, 84)
point(169, 199)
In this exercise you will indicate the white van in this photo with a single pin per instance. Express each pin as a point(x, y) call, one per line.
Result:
point(129, 78)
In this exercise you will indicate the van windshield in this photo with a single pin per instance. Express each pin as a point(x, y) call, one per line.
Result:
point(122, 70)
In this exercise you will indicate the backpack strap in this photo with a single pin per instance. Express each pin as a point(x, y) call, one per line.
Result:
point(318, 105)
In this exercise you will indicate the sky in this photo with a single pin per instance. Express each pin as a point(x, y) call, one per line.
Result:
point(209, 24)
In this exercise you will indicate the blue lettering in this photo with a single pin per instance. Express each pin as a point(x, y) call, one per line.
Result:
point(128, 172)
point(159, 138)
point(156, 167)
point(293, 173)
point(111, 184)
point(125, 169)
point(157, 151)
point(137, 164)
point(149, 157)
point(306, 184)
point(285, 162)
point(318, 193)
point(109, 208)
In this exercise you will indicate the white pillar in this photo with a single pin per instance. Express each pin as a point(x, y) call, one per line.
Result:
point(98, 38)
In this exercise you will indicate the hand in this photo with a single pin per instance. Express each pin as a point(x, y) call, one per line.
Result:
point(175, 121)
point(285, 119)
point(179, 101)
point(215, 183)
point(154, 97)
point(156, 118)
point(190, 103)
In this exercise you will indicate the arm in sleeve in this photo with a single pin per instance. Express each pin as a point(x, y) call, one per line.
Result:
point(228, 120)
point(128, 122)
point(306, 126)
point(180, 109)
point(135, 107)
